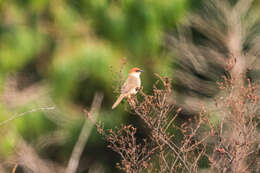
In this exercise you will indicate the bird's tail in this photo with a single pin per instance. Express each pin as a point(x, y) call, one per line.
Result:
point(119, 99)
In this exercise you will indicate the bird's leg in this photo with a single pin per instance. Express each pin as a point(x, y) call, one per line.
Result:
point(128, 99)
point(134, 100)
point(131, 101)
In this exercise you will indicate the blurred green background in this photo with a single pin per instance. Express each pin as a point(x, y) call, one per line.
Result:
point(61, 52)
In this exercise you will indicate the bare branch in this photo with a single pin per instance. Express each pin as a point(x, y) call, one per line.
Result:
point(84, 134)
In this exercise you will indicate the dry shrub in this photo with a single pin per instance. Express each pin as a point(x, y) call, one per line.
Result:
point(230, 144)
point(237, 148)
point(162, 151)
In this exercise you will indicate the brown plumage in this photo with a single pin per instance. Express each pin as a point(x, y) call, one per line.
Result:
point(131, 85)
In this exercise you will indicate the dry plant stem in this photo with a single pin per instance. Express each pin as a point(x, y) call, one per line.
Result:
point(237, 72)
point(135, 156)
point(159, 115)
point(177, 154)
point(14, 168)
point(240, 109)
point(24, 113)
point(84, 134)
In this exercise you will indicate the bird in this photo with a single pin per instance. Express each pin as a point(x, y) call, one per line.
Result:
point(131, 85)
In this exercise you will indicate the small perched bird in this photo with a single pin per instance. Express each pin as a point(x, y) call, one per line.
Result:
point(131, 85)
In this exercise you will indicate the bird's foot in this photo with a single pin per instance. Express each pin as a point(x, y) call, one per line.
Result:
point(132, 101)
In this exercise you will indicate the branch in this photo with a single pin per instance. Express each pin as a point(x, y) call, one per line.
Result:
point(84, 134)
point(14, 168)
point(174, 150)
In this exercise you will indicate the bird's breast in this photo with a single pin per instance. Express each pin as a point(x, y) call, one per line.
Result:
point(139, 82)
point(135, 90)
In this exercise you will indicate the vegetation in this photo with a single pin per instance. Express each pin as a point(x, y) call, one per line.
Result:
point(58, 58)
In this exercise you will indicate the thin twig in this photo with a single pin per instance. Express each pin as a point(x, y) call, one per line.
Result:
point(177, 154)
point(24, 113)
point(84, 134)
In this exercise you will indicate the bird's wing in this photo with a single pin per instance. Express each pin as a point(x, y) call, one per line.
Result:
point(130, 83)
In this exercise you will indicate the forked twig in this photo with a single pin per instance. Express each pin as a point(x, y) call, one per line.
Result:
point(177, 154)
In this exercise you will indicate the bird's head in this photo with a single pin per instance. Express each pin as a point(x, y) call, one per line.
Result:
point(135, 71)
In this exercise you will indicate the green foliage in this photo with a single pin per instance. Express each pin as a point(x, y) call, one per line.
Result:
point(8, 143)
point(71, 67)
point(134, 25)
point(33, 125)
point(20, 46)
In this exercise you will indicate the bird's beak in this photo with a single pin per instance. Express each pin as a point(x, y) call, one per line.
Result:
point(141, 71)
